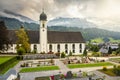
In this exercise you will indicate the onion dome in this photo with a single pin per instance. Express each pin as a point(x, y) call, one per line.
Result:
point(43, 16)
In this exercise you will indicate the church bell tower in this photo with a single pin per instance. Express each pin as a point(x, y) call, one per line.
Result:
point(43, 32)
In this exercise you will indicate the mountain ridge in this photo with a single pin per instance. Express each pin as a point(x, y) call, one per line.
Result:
point(88, 32)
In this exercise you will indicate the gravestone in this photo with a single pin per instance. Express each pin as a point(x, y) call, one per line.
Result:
point(79, 74)
point(69, 75)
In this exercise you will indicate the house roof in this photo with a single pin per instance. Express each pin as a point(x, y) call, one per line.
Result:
point(53, 37)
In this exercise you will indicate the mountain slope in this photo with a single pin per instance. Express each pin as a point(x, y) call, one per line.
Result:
point(71, 22)
point(88, 32)
point(13, 23)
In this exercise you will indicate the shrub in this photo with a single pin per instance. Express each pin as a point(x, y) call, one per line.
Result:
point(104, 68)
point(117, 70)
point(84, 74)
point(70, 54)
point(114, 66)
point(62, 55)
point(20, 51)
point(52, 61)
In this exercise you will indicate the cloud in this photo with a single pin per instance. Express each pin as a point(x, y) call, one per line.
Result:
point(97, 11)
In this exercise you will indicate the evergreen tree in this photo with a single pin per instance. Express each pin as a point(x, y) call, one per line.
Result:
point(23, 40)
point(3, 36)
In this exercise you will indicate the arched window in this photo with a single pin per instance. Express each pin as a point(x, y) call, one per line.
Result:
point(73, 48)
point(80, 51)
point(58, 47)
point(50, 47)
point(80, 46)
point(66, 48)
point(34, 47)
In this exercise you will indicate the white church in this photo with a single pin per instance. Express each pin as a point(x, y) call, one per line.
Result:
point(51, 41)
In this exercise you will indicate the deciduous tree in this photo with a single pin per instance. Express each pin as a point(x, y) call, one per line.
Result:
point(23, 40)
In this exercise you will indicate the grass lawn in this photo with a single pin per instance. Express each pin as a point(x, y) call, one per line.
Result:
point(108, 72)
point(42, 78)
point(41, 68)
point(89, 65)
point(4, 58)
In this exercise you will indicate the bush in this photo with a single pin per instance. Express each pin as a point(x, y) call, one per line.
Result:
point(62, 55)
point(117, 70)
point(20, 51)
point(52, 61)
point(70, 54)
point(104, 68)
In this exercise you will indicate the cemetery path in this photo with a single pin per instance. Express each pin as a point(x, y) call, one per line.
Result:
point(106, 76)
point(17, 67)
point(61, 65)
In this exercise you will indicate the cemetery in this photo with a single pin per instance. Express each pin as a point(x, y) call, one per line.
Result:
point(41, 68)
point(38, 65)
point(117, 60)
point(72, 76)
point(82, 62)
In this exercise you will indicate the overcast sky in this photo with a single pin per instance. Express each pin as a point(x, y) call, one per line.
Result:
point(100, 12)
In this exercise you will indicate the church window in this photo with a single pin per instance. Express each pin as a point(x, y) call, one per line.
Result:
point(66, 48)
point(73, 51)
point(73, 48)
point(50, 47)
point(35, 47)
point(80, 51)
point(80, 46)
point(66, 51)
point(58, 47)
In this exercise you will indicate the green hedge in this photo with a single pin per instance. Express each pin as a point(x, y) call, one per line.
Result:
point(116, 70)
point(7, 63)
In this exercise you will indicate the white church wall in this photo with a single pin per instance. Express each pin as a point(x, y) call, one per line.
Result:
point(70, 48)
point(83, 47)
point(11, 49)
point(37, 46)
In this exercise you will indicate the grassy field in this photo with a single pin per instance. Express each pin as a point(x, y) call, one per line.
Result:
point(41, 68)
point(71, 66)
point(97, 40)
point(42, 78)
point(113, 40)
point(108, 72)
point(4, 58)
